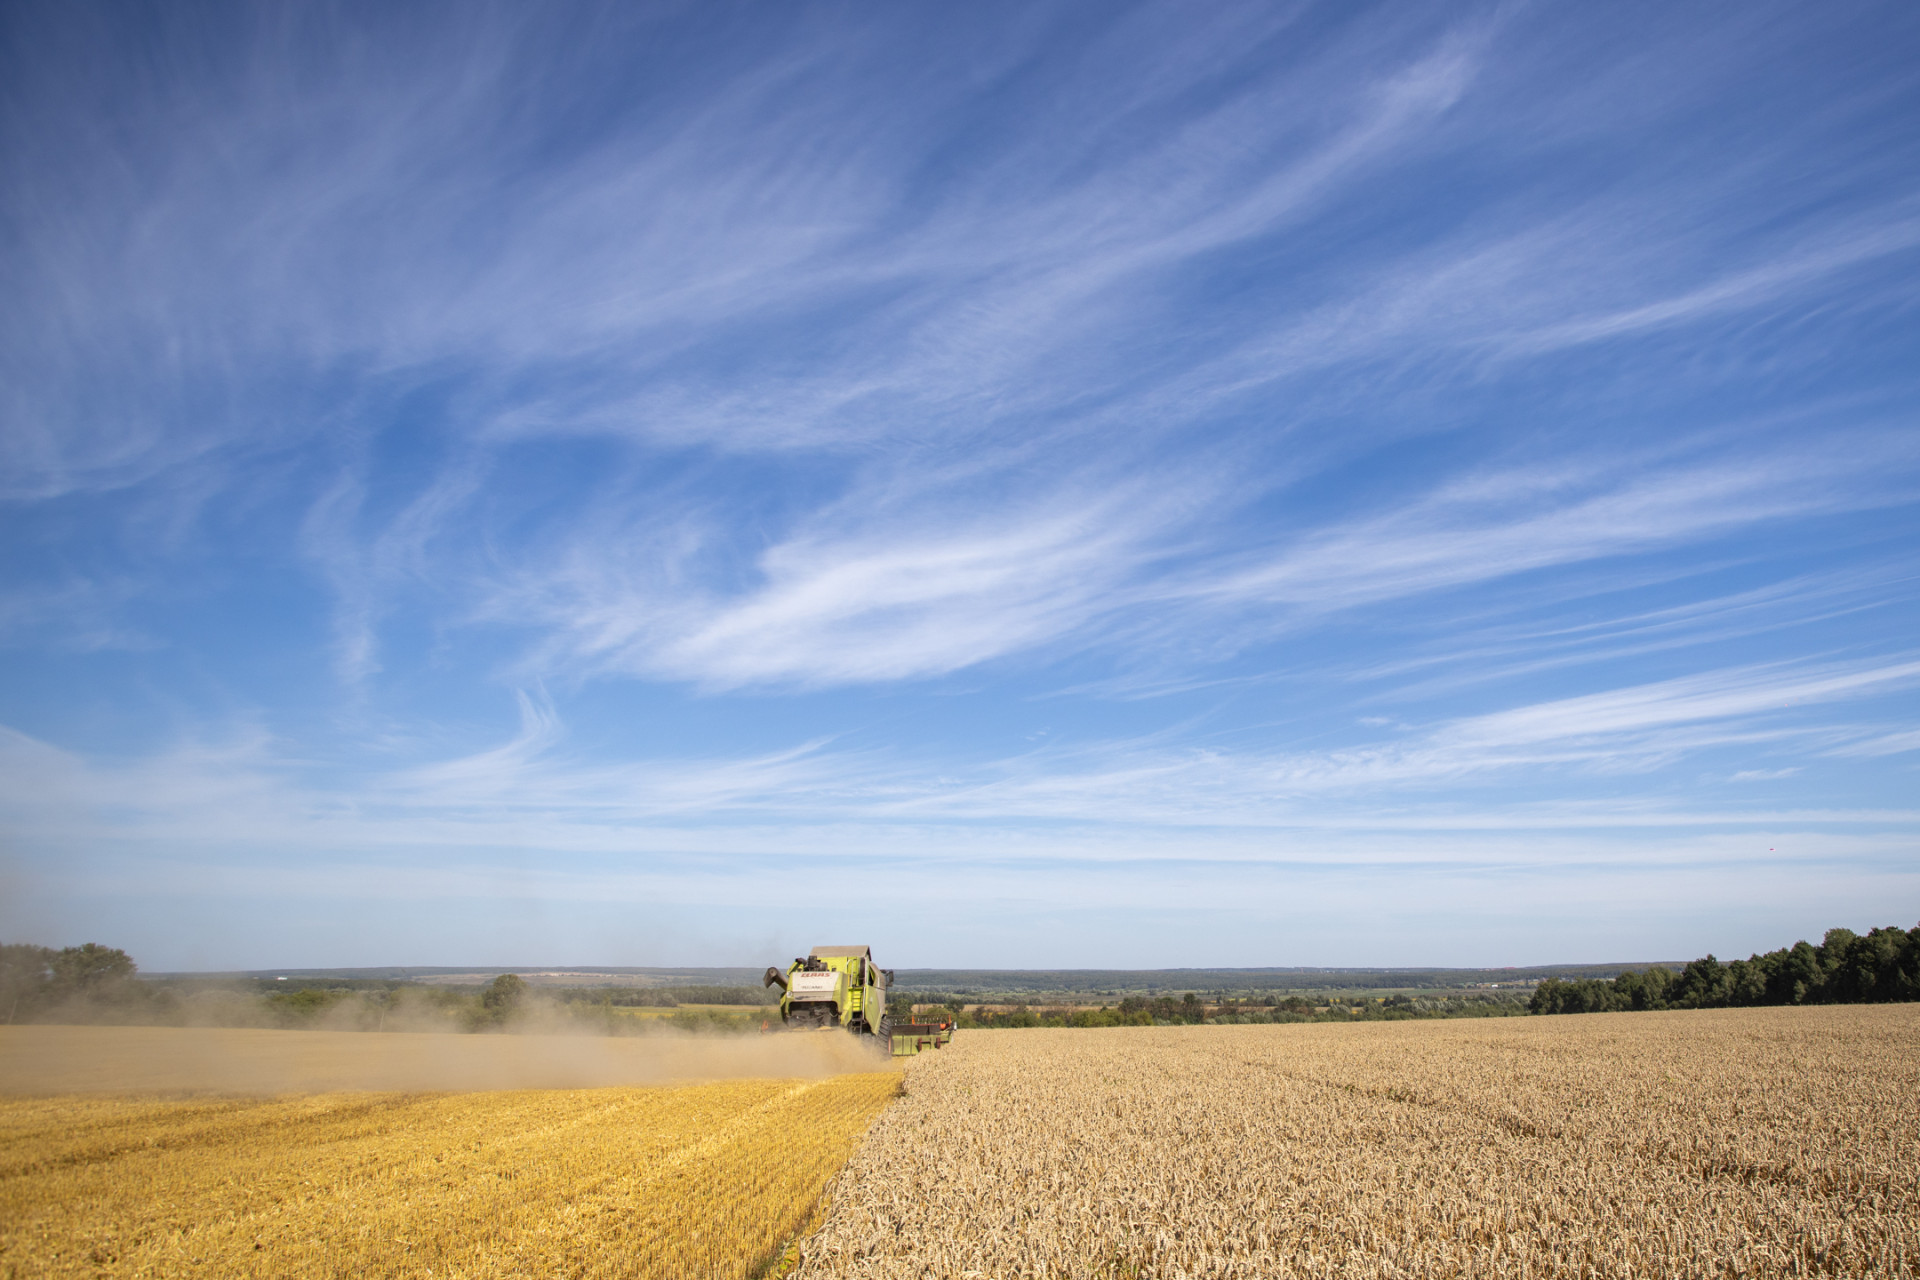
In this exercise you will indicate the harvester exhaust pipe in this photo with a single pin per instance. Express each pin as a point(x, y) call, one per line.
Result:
point(773, 976)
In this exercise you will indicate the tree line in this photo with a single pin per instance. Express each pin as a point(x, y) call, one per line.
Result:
point(99, 984)
point(1880, 966)
point(34, 979)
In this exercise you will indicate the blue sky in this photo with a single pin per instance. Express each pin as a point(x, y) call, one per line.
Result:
point(1104, 485)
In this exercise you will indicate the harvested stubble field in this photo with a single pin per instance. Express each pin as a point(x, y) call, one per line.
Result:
point(671, 1182)
point(1775, 1142)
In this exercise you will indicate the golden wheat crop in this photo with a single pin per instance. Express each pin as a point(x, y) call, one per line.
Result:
point(697, 1181)
point(1737, 1143)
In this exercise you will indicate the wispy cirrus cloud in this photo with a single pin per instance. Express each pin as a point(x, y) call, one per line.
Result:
point(869, 601)
point(1478, 649)
point(886, 595)
point(1618, 732)
point(556, 798)
point(1880, 744)
point(1515, 520)
point(1011, 312)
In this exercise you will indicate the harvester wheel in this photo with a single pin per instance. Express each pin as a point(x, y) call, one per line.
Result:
point(886, 1027)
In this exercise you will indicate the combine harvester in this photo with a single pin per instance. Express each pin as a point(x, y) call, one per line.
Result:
point(841, 987)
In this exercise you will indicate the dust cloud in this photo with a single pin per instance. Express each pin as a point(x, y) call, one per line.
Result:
point(68, 1059)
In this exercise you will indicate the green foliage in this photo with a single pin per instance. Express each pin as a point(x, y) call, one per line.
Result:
point(26, 973)
point(90, 969)
point(504, 993)
point(499, 1001)
point(302, 1006)
point(80, 983)
point(1018, 1016)
point(1845, 968)
point(1165, 1009)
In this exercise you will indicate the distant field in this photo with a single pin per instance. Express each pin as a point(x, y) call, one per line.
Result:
point(742, 1014)
point(53, 1059)
point(1749, 1143)
point(1095, 985)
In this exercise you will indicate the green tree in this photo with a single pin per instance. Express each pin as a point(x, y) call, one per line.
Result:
point(1846, 968)
point(1861, 969)
point(500, 1000)
point(1703, 984)
point(504, 992)
point(1804, 976)
point(26, 973)
point(1903, 983)
point(91, 969)
point(1642, 991)
point(1746, 982)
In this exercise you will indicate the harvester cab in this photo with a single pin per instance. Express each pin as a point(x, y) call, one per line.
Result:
point(834, 987)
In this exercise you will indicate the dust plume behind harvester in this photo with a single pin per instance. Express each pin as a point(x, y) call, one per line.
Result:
point(841, 987)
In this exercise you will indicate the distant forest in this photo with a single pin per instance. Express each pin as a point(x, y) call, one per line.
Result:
point(1846, 968)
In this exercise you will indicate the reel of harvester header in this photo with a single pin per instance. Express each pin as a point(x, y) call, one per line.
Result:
point(841, 988)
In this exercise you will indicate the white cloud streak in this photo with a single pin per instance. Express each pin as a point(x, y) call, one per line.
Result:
point(532, 792)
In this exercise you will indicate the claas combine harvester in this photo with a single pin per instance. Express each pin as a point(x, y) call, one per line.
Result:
point(841, 987)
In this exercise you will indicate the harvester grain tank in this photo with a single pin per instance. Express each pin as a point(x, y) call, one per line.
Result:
point(842, 987)
point(834, 987)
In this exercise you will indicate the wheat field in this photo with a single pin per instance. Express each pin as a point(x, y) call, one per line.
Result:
point(707, 1180)
point(1739, 1143)
point(1779, 1142)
